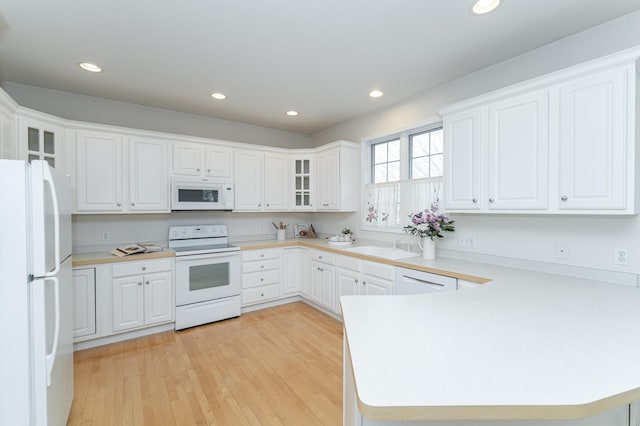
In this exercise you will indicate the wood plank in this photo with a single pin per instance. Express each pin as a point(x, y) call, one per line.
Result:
point(277, 366)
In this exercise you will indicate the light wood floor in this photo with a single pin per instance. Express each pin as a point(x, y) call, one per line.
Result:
point(277, 366)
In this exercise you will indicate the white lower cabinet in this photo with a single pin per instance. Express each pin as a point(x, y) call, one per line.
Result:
point(295, 265)
point(84, 302)
point(142, 294)
point(361, 277)
point(260, 275)
point(323, 279)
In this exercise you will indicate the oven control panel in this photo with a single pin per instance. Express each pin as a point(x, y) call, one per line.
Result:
point(197, 231)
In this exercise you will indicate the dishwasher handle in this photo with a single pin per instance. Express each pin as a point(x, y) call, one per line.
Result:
point(419, 281)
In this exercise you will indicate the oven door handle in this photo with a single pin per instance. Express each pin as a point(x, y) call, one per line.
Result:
point(207, 256)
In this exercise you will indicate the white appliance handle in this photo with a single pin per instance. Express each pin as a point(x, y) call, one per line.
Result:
point(48, 177)
point(207, 256)
point(51, 357)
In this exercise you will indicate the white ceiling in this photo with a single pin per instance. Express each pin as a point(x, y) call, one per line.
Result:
point(319, 57)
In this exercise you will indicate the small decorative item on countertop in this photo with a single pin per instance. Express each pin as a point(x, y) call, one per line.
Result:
point(344, 239)
point(428, 225)
point(301, 230)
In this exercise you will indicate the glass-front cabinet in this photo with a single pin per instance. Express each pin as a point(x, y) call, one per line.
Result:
point(40, 140)
point(303, 187)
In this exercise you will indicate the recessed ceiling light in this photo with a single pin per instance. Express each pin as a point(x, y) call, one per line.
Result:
point(292, 113)
point(219, 96)
point(88, 66)
point(485, 6)
point(375, 93)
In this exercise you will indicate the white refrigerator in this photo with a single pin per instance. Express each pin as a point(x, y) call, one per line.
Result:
point(36, 346)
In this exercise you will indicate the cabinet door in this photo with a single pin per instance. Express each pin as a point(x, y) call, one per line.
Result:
point(187, 159)
point(249, 180)
point(84, 302)
point(376, 286)
point(99, 174)
point(347, 283)
point(328, 179)
point(305, 272)
point(328, 287)
point(127, 302)
point(158, 298)
point(462, 156)
point(303, 182)
point(276, 182)
point(315, 293)
point(518, 152)
point(8, 143)
point(293, 273)
point(593, 141)
point(41, 140)
point(218, 162)
point(148, 175)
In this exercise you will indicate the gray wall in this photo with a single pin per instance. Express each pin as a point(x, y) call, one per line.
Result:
point(105, 111)
point(591, 240)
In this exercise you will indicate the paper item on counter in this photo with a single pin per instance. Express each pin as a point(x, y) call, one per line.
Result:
point(135, 249)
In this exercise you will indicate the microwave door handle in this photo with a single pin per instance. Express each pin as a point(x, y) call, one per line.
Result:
point(48, 178)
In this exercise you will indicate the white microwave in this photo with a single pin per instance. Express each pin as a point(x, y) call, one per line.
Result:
point(201, 194)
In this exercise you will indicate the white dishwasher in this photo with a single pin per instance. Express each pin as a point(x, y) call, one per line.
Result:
point(410, 281)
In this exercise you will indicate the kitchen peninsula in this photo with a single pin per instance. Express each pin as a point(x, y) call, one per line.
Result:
point(521, 351)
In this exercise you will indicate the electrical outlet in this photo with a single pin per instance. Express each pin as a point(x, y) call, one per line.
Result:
point(467, 241)
point(621, 256)
point(106, 236)
point(562, 250)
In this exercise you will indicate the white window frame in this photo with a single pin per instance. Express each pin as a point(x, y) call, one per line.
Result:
point(366, 162)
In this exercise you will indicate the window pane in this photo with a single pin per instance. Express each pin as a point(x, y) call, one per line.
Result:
point(436, 141)
point(51, 161)
point(420, 145)
point(306, 166)
point(305, 183)
point(33, 138)
point(49, 142)
point(298, 183)
point(380, 173)
point(298, 167)
point(436, 165)
point(420, 168)
point(380, 153)
point(394, 171)
point(394, 150)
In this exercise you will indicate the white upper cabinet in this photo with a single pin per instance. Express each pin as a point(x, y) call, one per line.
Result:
point(115, 173)
point(462, 134)
point(148, 175)
point(249, 166)
point(276, 181)
point(594, 136)
point(303, 181)
point(8, 141)
point(337, 181)
point(518, 152)
point(99, 172)
point(564, 143)
point(41, 139)
point(203, 160)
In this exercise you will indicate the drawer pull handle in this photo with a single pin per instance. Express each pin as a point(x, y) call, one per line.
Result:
point(491, 200)
point(262, 294)
point(475, 200)
point(144, 268)
point(261, 266)
point(139, 282)
point(261, 279)
point(564, 198)
point(147, 283)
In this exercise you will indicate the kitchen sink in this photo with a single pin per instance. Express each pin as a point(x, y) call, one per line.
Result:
point(385, 252)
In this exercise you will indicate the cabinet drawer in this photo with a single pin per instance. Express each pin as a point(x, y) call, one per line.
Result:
point(142, 267)
point(260, 278)
point(349, 263)
point(250, 255)
point(324, 257)
point(260, 265)
point(260, 294)
point(378, 270)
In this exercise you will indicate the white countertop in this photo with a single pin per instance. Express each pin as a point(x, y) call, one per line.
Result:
point(529, 345)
